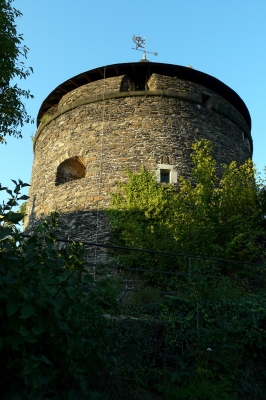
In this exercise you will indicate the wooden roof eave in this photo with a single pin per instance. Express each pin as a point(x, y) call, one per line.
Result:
point(137, 69)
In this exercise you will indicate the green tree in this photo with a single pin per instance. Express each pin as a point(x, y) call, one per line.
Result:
point(52, 341)
point(212, 215)
point(13, 114)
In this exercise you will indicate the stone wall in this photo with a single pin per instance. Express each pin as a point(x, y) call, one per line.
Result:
point(114, 84)
point(111, 133)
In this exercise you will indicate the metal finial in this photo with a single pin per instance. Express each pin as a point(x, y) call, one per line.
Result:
point(141, 44)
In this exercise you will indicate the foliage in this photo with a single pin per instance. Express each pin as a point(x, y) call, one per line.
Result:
point(52, 331)
point(57, 341)
point(144, 295)
point(22, 210)
point(12, 110)
point(200, 389)
point(215, 214)
point(177, 345)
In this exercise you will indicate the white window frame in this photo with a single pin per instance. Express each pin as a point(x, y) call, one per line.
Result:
point(170, 168)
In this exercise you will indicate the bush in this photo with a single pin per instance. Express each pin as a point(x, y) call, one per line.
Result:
point(52, 331)
point(212, 215)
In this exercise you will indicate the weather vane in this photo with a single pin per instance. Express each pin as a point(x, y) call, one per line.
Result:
point(141, 46)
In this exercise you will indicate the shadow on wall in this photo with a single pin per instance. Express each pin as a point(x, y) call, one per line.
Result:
point(83, 225)
point(94, 226)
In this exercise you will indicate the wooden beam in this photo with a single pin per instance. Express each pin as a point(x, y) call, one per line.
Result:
point(56, 95)
point(116, 70)
point(101, 72)
point(87, 77)
point(73, 82)
point(48, 105)
point(63, 89)
point(134, 72)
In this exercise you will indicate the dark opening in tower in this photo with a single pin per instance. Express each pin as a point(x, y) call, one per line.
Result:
point(69, 170)
point(165, 175)
point(205, 100)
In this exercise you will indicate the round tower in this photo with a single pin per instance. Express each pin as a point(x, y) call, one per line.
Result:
point(95, 125)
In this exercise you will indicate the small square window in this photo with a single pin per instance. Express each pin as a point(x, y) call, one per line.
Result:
point(165, 175)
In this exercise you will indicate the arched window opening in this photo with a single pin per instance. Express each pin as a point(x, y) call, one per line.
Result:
point(69, 170)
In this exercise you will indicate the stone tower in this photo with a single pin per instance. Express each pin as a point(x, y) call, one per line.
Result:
point(95, 125)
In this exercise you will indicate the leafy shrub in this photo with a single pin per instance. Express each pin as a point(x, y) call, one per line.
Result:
point(52, 331)
point(143, 295)
point(201, 389)
point(211, 215)
point(177, 345)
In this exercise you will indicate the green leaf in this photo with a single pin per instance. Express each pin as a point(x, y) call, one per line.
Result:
point(16, 396)
point(26, 311)
point(24, 291)
point(43, 380)
point(23, 331)
point(14, 217)
point(4, 232)
point(71, 292)
point(10, 280)
point(11, 308)
point(14, 341)
point(38, 330)
point(58, 303)
point(30, 339)
point(42, 302)
point(87, 278)
point(44, 359)
point(9, 192)
point(27, 369)
point(24, 197)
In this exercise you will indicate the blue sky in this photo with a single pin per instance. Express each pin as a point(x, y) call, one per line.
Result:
point(225, 39)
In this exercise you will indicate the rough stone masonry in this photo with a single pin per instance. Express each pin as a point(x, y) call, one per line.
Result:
point(87, 139)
